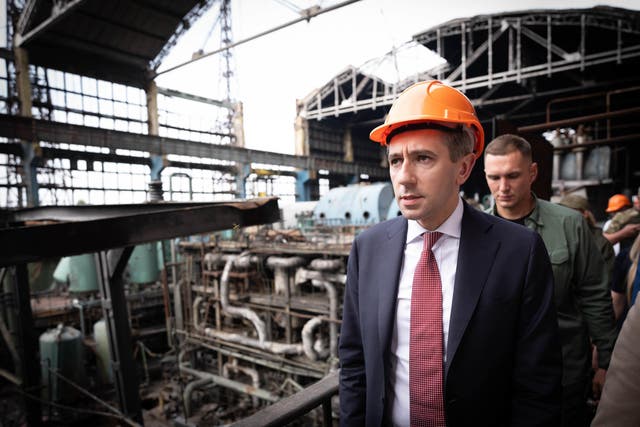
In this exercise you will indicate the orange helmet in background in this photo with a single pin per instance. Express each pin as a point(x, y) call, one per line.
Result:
point(431, 102)
point(617, 202)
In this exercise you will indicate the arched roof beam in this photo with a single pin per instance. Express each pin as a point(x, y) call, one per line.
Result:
point(58, 11)
point(455, 74)
point(546, 43)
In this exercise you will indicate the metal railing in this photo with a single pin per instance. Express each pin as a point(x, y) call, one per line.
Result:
point(293, 407)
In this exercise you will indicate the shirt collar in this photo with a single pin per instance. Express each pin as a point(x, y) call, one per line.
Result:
point(451, 226)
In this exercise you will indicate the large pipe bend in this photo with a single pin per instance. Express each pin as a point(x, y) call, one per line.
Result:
point(247, 313)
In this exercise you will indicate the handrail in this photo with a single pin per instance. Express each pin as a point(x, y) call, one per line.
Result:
point(293, 407)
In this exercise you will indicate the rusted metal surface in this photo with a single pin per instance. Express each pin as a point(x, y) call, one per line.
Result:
point(60, 231)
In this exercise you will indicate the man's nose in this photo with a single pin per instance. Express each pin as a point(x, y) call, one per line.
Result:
point(406, 174)
point(504, 184)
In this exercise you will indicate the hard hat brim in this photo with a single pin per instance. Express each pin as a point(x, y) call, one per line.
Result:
point(380, 133)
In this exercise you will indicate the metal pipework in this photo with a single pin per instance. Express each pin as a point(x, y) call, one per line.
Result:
point(177, 305)
point(302, 275)
point(212, 260)
point(250, 372)
point(321, 264)
point(248, 314)
point(231, 384)
point(189, 389)
point(273, 347)
point(333, 315)
point(196, 313)
point(281, 267)
point(76, 303)
point(308, 344)
point(270, 346)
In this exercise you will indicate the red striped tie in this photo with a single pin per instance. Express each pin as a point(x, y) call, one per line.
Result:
point(426, 344)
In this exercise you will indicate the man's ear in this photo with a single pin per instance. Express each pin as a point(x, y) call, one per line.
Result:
point(466, 166)
point(533, 172)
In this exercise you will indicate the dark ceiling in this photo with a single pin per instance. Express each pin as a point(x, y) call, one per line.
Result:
point(115, 40)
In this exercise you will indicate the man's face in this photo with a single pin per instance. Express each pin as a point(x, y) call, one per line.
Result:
point(509, 178)
point(425, 180)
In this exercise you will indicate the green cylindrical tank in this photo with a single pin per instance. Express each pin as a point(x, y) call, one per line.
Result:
point(61, 273)
point(62, 351)
point(103, 357)
point(143, 264)
point(83, 276)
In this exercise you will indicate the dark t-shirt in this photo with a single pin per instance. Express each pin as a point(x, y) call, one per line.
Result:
point(517, 220)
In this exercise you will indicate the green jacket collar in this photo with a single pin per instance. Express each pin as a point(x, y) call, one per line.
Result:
point(533, 219)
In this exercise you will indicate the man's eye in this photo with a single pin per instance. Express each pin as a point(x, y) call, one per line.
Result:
point(394, 161)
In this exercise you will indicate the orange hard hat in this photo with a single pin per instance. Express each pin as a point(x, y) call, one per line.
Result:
point(431, 102)
point(617, 202)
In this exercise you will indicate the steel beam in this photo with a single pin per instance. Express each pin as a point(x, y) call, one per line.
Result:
point(36, 233)
point(111, 266)
point(578, 120)
point(496, 78)
point(42, 130)
point(27, 340)
point(56, 15)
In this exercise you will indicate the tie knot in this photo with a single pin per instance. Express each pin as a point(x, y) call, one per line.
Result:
point(430, 238)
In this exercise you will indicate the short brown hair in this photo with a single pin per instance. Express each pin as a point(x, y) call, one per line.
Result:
point(508, 143)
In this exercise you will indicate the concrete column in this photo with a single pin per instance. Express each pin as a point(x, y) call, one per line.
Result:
point(153, 128)
point(30, 149)
point(301, 136)
point(238, 124)
point(347, 142)
point(153, 122)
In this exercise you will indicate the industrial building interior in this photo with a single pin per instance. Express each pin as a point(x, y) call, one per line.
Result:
point(156, 272)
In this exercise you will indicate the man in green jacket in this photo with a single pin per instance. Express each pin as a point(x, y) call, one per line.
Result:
point(581, 204)
point(581, 279)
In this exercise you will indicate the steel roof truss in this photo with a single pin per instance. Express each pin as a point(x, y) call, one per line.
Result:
point(59, 10)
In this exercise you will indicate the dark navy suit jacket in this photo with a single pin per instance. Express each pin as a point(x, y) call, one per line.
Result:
point(504, 363)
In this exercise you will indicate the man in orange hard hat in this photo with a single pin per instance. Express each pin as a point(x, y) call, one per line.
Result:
point(625, 222)
point(448, 312)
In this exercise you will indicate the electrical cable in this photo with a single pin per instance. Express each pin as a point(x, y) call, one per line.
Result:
point(77, 410)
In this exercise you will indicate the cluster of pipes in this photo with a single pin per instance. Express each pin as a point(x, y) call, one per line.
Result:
point(289, 273)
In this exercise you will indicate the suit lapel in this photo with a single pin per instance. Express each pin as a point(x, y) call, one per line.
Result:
point(387, 281)
point(475, 258)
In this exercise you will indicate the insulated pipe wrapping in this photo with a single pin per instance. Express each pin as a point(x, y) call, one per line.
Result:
point(325, 264)
point(284, 262)
point(247, 313)
point(302, 275)
point(250, 372)
point(196, 313)
point(270, 346)
point(212, 260)
point(307, 338)
point(231, 384)
point(177, 304)
point(190, 388)
point(281, 267)
point(333, 314)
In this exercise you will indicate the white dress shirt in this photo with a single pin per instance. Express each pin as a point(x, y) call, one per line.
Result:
point(445, 251)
